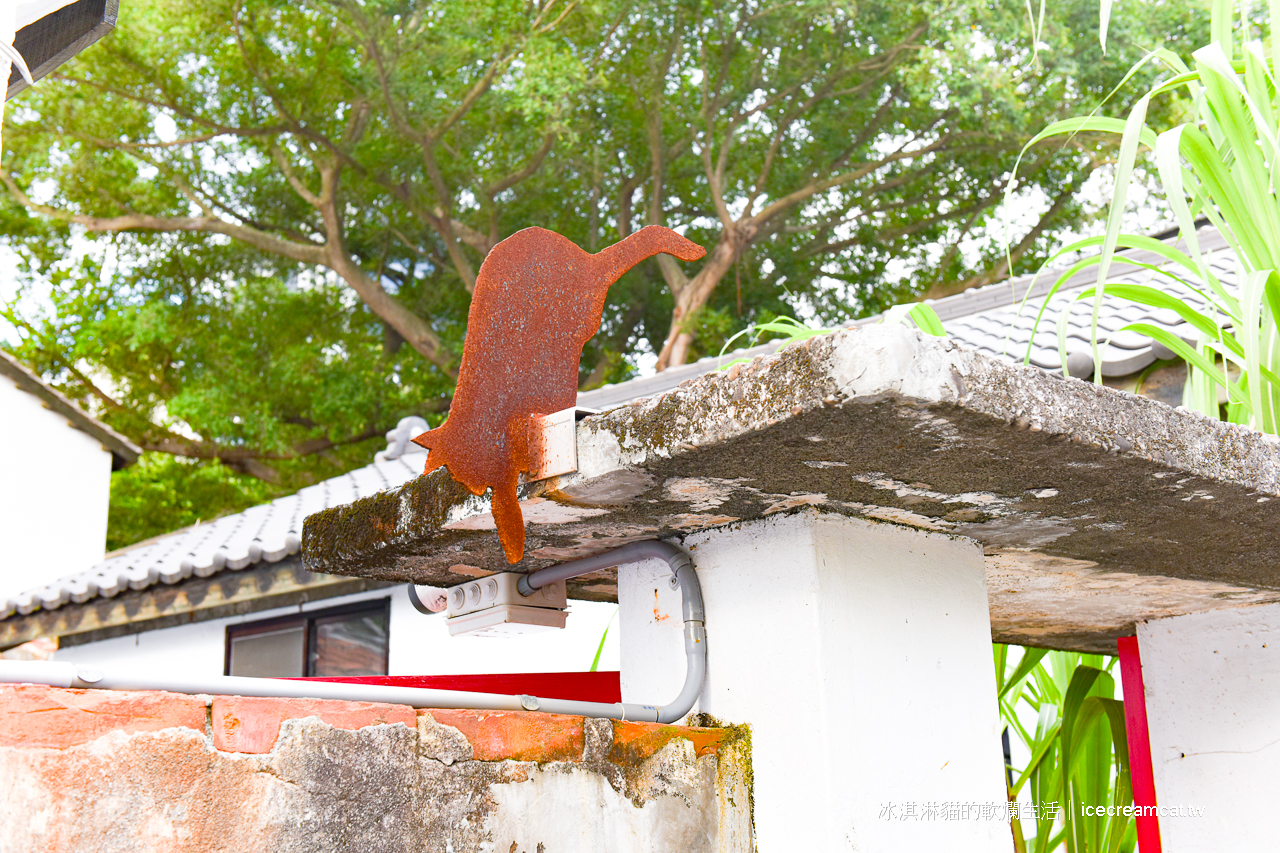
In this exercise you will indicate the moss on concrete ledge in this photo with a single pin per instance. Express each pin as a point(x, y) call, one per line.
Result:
point(1071, 488)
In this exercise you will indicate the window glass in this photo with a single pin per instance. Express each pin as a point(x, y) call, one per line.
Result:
point(354, 644)
point(340, 641)
point(269, 654)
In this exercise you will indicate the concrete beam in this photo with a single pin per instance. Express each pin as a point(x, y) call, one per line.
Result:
point(1095, 509)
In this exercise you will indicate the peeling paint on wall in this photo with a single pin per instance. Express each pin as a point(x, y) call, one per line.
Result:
point(481, 781)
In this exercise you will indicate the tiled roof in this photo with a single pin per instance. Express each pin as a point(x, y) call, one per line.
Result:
point(268, 532)
point(995, 320)
point(988, 319)
point(1004, 329)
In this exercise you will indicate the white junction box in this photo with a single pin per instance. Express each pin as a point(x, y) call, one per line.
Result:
point(494, 607)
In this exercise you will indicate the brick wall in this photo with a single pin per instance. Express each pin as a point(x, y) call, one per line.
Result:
point(84, 770)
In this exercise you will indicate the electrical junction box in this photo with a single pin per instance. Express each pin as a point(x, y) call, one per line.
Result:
point(494, 607)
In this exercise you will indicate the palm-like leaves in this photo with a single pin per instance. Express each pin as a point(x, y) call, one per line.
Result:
point(1221, 163)
point(1079, 753)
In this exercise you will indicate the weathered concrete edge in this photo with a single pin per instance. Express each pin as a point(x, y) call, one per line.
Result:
point(855, 366)
point(877, 362)
point(37, 716)
point(393, 778)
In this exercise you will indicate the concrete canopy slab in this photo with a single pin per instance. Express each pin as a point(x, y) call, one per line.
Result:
point(1096, 509)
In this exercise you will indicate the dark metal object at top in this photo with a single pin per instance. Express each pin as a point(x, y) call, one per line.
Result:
point(538, 300)
point(48, 42)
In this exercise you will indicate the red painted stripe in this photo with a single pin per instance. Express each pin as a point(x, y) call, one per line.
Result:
point(1135, 723)
point(578, 686)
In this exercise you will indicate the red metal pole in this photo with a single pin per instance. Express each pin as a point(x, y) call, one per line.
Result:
point(1135, 719)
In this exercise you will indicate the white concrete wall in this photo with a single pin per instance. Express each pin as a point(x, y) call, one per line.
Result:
point(419, 645)
point(860, 655)
point(1213, 710)
point(55, 482)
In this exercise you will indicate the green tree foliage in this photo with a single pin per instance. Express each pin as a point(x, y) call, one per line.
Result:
point(161, 493)
point(259, 222)
point(1216, 162)
point(812, 144)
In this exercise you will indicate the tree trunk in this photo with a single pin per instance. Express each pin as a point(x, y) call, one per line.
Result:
point(695, 294)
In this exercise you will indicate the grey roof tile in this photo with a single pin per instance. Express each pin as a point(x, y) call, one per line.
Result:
point(1128, 339)
point(1132, 312)
point(107, 582)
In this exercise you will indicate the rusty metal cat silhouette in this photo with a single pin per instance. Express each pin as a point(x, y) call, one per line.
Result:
point(538, 300)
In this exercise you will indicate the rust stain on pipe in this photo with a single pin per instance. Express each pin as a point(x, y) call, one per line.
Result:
point(538, 300)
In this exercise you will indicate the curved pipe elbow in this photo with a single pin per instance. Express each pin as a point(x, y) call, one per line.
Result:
point(695, 647)
point(685, 576)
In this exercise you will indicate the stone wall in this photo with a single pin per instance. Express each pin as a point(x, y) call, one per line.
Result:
point(101, 770)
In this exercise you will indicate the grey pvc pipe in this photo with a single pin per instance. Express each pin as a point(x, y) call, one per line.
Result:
point(685, 577)
point(64, 674)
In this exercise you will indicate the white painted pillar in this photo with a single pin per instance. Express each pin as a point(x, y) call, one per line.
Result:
point(860, 655)
point(1213, 711)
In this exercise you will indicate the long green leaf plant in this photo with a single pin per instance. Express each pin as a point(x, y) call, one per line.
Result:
point(1220, 164)
point(793, 331)
point(1077, 747)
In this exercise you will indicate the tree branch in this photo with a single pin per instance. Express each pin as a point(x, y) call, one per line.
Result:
point(249, 461)
point(797, 196)
point(1002, 268)
point(535, 162)
point(409, 325)
point(303, 191)
point(308, 253)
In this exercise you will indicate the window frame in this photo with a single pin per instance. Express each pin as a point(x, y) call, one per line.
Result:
point(308, 620)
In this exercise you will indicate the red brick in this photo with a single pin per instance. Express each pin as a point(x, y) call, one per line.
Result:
point(252, 724)
point(517, 735)
point(156, 791)
point(634, 742)
point(38, 716)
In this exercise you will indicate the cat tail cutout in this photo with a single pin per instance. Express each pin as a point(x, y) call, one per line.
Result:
point(505, 506)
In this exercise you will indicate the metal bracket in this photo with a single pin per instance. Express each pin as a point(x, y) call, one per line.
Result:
point(553, 442)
